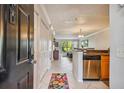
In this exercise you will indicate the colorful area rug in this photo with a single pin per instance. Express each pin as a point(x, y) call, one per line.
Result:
point(58, 81)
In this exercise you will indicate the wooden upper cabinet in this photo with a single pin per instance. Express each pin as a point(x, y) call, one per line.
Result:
point(105, 67)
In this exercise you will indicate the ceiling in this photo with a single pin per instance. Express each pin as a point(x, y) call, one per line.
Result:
point(68, 19)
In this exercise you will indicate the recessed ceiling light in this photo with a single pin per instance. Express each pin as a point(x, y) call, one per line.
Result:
point(78, 20)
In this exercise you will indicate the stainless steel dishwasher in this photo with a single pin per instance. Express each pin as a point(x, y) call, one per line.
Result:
point(91, 67)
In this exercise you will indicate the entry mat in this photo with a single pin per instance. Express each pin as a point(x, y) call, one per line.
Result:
point(58, 81)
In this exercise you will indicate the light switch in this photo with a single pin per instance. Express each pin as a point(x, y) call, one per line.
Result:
point(120, 52)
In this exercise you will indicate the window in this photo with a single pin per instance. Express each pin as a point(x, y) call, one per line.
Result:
point(84, 43)
point(66, 46)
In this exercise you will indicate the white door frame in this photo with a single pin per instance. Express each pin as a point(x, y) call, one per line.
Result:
point(35, 82)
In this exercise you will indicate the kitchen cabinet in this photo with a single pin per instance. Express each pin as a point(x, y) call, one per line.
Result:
point(104, 67)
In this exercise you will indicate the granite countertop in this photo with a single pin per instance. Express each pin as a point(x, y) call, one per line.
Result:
point(102, 54)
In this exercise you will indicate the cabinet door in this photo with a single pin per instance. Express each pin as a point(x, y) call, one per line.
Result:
point(105, 68)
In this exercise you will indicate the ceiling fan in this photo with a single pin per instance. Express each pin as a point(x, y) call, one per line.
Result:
point(81, 35)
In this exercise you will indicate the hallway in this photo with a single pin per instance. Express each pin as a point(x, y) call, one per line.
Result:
point(32, 35)
point(64, 65)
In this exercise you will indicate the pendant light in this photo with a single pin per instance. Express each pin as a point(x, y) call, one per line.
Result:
point(81, 34)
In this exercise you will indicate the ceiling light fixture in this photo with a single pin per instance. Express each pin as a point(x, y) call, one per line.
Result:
point(80, 20)
point(81, 34)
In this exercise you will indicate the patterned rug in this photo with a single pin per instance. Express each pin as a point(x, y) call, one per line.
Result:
point(58, 81)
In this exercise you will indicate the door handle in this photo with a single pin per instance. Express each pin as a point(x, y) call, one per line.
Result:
point(33, 61)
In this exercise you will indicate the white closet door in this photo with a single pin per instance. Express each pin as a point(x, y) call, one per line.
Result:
point(41, 50)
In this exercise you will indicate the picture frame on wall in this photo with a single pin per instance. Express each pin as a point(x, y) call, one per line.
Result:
point(84, 43)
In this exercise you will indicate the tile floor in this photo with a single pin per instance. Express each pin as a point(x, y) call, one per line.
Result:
point(64, 65)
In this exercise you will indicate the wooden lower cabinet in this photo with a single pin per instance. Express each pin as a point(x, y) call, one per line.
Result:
point(105, 67)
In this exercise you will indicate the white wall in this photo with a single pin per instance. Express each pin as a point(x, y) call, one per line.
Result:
point(75, 44)
point(99, 40)
point(117, 46)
